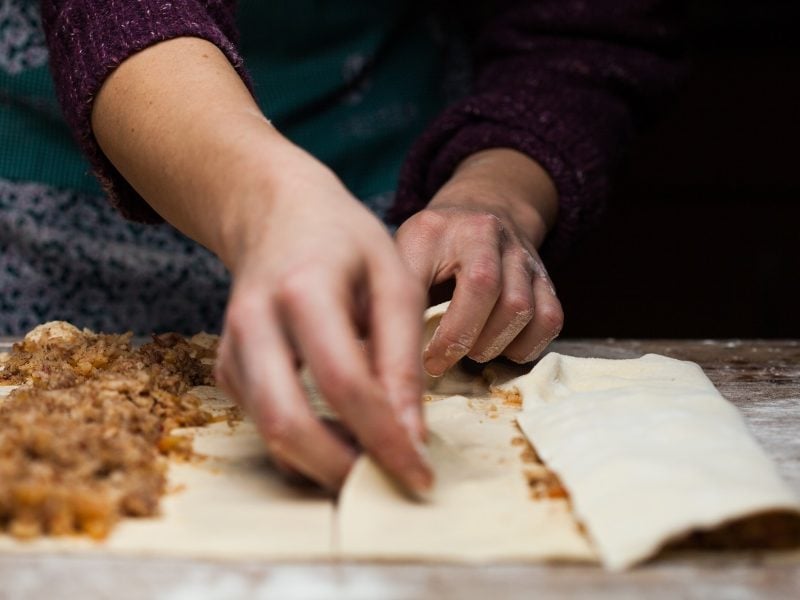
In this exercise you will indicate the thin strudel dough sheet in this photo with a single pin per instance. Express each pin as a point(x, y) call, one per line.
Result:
point(647, 448)
point(233, 505)
point(480, 509)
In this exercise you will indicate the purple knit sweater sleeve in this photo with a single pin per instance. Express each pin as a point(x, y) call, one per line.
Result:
point(565, 82)
point(88, 39)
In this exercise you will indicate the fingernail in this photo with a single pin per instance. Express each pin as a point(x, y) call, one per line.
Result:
point(423, 496)
point(413, 425)
point(420, 478)
point(434, 366)
point(420, 484)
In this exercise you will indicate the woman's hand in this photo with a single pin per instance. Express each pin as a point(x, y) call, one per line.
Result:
point(313, 271)
point(482, 229)
point(312, 278)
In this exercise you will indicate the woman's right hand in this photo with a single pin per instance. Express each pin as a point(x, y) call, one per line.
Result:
point(314, 273)
point(313, 270)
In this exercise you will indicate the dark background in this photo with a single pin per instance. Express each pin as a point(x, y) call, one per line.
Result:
point(702, 238)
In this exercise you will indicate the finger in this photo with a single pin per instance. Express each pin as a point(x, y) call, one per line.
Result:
point(223, 366)
point(417, 241)
point(478, 285)
point(398, 301)
point(337, 429)
point(544, 327)
point(323, 329)
point(514, 308)
point(262, 363)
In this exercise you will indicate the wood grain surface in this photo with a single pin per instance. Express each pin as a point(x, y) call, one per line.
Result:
point(762, 378)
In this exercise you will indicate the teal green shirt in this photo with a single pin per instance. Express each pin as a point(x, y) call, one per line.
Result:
point(301, 55)
point(35, 143)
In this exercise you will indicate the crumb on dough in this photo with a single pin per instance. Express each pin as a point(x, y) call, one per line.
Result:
point(528, 455)
point(508, 397)
point(544, 484)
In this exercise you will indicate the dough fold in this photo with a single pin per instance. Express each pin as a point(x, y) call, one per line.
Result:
point(481, 507)
point(647, 448)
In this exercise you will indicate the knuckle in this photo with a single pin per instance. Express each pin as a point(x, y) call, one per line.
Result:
point(429, 222)
point(483, 275)
point(551, 316)
point(486, 224)
point(294, 285)
point(520, 303)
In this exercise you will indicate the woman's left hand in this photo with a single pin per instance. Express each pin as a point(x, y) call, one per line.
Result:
point(482, 229)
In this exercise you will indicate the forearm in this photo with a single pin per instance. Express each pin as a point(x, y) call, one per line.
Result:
point(179, 124)
point(88, 40)
point(181, 127)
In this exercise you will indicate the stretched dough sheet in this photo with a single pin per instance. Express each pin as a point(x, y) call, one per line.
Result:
point(481, 507)
point(648, 450)
point(232, 504)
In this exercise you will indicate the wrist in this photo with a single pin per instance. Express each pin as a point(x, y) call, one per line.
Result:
point(271, 191)
point(505, 182)
point(241, 191)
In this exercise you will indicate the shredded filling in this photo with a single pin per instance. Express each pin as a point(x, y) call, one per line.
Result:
point(84, 440)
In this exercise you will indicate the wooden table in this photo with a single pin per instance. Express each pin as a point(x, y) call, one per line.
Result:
point(762, 378)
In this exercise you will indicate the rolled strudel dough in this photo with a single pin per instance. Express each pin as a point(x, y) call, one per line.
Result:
point(647, 448)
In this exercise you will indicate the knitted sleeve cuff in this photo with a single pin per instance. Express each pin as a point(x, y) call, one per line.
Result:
point(565, 83)
point(88, 39)
point(568, 134)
